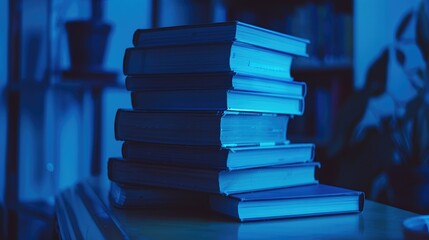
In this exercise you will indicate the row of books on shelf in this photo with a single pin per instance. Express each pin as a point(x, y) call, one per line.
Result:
point(327, 24)
point(211, 107)
point(329, 29)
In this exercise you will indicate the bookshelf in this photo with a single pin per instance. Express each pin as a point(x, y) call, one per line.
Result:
point(328, 71)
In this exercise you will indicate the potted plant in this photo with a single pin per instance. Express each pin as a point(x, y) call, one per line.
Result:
point(87, 40)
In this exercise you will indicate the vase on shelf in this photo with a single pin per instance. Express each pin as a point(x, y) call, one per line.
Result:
point(87, 43)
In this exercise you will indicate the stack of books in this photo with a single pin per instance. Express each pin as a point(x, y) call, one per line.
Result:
point(211, 106)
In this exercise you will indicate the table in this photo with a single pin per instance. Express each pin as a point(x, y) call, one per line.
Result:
point(85, 211)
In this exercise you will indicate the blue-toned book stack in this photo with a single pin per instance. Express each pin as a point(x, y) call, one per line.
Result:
point(211, 105)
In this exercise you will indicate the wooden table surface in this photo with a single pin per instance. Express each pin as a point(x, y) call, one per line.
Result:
point(377, 221)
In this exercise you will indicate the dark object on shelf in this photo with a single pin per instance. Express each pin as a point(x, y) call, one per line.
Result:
point(87, 41)
point(87, 44)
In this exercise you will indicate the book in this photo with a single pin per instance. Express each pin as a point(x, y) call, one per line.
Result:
point(81, 214)
point(351, 226)
point(219, 128)
point(214, 157)
point(135, 196)
point(311, 200)
point(203, 58)
point(220, 32)
point(219, 100)
point(207, 81)
point(213, 181)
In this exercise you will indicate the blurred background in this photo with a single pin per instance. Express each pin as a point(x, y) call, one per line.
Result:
point(61, 83)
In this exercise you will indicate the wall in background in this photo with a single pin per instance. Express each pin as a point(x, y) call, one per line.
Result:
point(56, 120)
point(182, 12)
point(126, 17)
point(4, 6)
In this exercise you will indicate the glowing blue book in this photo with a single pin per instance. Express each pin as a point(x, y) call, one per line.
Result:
point(215, 128)
point(218, 100)
point(212, 181)
point(216, 80)
point(311, 200)
point(214, 157)
point(237, 57)
point(220, 32)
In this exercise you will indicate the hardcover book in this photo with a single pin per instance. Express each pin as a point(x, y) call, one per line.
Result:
point(140, 196)
point(208, 81)
point(311, 200)
point(219, 128)
point(213, 181)
point(219, 100)
point(221, 32)
point(214, 157)
point(203, 58)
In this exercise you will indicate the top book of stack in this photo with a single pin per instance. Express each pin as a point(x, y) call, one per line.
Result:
point(217, 47)
point(234, 31)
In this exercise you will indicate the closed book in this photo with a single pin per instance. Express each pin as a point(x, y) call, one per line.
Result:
point(213, 181)
point(203, 58)
point(208, 81)
point(311, 200)
point(219, 128)
point(81, 214)
point(141, 196)
point(218, 100)
point(221, 32)
point(214, 157)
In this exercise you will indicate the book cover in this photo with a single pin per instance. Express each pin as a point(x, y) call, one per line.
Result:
point(219, 128)
point(221, 32)
point(311, 200)
point(212, 181)
point(216, 80)
point(202, 58)
point(82, 214)
point(218, 100)
point(213, 157)
point(141, 196)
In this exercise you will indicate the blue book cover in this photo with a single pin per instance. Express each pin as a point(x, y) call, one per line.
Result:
point(219, 128)
point(214, 80)
point(218, 99)
point(214, 157)
point(209, 180)
point(221, 32)
point(203, 58)
point(310, 200)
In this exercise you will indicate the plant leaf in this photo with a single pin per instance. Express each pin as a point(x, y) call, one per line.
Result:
point(400, 56)
point(403, 25)
point(422, 32)
point(377, 75)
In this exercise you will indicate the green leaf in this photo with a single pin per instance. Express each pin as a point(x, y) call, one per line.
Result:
point(403, 25)
point(422, 32)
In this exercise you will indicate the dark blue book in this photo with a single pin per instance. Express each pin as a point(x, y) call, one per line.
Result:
point(311, 200)
point(143, 196)
point(220, 32)
point(204, 58)
point(209, 180)
point(217, 80)
point(218, 128)
point(214, 157)
point(218, 100)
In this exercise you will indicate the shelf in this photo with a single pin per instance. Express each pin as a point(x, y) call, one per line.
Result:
point(71, 84)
